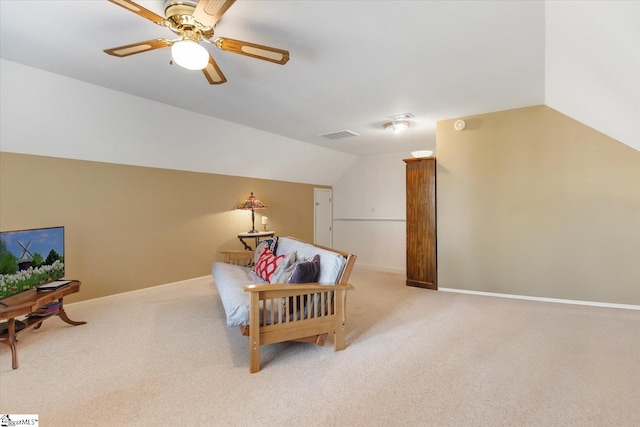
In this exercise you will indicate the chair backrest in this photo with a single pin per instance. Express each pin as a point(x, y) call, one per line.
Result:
point(335, 265)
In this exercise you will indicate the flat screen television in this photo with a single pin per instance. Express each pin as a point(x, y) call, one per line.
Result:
point(29, 258)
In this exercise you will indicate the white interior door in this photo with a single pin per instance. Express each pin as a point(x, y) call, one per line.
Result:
point(323, 217)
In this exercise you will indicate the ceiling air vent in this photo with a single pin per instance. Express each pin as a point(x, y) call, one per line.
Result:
point(403, 116)
point(339, 134)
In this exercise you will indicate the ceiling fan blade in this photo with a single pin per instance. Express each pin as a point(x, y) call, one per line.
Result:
point(253, 50)
point(134, 48)
point(139, 10)
point(209, 12)
point(212, 73)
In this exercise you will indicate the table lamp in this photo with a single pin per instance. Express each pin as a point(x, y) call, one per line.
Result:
point(252, 203)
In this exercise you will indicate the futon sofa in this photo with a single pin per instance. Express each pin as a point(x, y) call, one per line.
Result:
point(287, 290)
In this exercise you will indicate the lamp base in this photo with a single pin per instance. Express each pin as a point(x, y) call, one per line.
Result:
point(253, 222)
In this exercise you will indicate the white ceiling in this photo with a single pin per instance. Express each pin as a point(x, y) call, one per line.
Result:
point(353, 63)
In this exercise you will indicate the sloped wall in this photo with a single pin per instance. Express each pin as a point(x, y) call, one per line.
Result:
point(532, 202)
point(131, 227)
point(47, 114)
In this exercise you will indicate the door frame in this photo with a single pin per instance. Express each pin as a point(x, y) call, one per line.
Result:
point(315, 216)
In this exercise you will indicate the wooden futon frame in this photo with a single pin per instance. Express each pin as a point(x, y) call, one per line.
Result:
point(278, 323)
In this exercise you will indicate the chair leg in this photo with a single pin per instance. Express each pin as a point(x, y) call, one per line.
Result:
point(339, 337)
point(321, 339)
point(254, 334)
point(254, 357)
point(341, 320)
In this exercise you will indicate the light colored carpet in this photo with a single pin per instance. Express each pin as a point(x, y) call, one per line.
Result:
point(414, 357)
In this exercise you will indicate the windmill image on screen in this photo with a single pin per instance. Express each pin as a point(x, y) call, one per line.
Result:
point(29, 258)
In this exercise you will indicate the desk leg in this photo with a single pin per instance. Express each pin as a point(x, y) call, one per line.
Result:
point(63, 315)
point(11, 342)
point(14, 353)
point(246, 247)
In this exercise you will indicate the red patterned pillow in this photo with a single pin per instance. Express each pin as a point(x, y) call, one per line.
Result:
point(267, 264)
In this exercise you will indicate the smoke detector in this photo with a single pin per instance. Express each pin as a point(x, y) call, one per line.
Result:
point(459, 125)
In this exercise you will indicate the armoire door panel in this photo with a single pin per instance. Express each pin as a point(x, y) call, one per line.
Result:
point(421, 222)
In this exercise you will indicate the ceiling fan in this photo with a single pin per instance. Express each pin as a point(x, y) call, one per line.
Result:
point(194, 21)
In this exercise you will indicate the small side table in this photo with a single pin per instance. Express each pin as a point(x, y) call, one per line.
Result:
point(257, 235)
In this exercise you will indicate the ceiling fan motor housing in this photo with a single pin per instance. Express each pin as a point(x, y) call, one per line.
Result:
point(179, 7)
point(179, 13)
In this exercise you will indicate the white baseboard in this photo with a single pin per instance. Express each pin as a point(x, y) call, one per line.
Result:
point(544, 299)
point(380, 268)
point(460, 291)
point(142, 289)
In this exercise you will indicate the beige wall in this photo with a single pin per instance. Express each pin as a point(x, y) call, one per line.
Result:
point(129, 227)
point(534, 203)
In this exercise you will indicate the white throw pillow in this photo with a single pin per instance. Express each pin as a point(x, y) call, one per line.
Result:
point(284, 270)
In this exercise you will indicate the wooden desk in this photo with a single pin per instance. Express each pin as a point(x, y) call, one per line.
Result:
point(27, 302)
point(257, 235)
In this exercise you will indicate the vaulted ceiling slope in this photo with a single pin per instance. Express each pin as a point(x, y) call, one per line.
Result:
point(592, 59)
point(353, 64)
point(47, 114)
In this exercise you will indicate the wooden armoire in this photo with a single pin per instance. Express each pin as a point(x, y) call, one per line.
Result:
point(421, 223)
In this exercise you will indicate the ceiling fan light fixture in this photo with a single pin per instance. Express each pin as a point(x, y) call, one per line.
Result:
point(189, 54)
point(194, 21)
point(397, 126)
